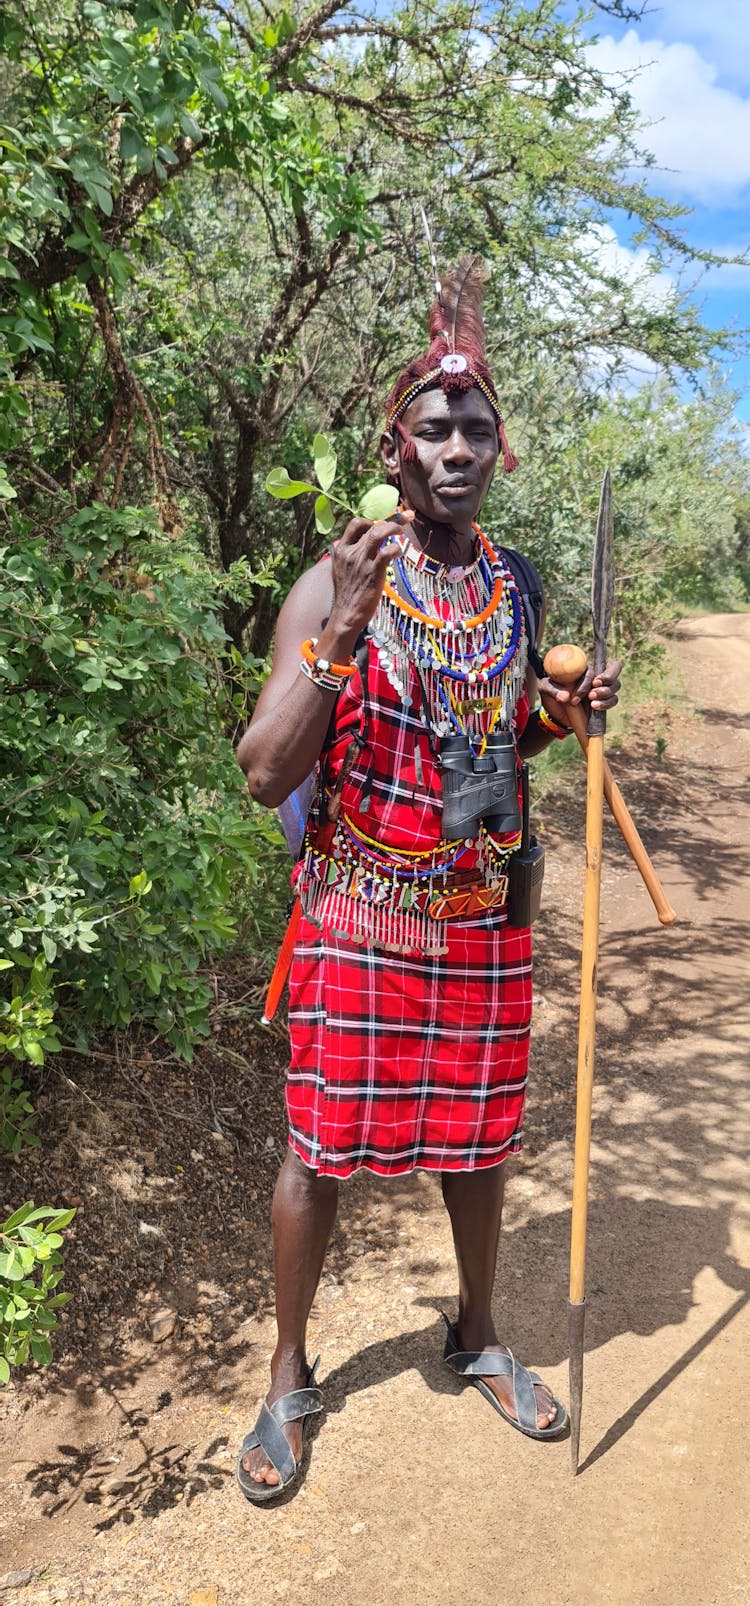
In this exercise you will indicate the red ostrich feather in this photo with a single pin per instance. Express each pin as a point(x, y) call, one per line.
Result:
point(456, 322)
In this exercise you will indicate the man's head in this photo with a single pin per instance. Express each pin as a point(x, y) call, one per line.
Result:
point(455, 450)
point(453, 370)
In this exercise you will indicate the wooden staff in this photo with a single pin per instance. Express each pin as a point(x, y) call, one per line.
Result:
point(566, 664)
point(602, 598)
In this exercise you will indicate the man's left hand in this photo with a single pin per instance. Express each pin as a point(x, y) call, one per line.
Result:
point(599, 690)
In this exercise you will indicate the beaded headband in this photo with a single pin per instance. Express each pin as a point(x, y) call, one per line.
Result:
point(453, 371)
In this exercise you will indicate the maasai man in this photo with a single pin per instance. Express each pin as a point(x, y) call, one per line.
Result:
point(402, 666)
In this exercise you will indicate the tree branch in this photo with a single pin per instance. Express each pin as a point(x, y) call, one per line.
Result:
point(56, 262)
point(307, 30)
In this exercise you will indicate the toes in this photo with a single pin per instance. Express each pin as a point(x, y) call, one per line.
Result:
point(264, 1473)
point(546, 1408)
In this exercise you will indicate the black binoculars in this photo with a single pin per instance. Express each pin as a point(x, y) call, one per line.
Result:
point(479, 787)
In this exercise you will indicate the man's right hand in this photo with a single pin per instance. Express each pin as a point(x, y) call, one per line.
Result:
point(359, 561)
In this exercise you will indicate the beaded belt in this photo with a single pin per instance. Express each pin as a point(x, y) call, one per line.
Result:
point(464, 897)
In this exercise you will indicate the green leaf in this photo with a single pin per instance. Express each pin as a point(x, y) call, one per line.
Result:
point(324, 458)
point(324, 517)
point(279, 484)
point(24, 1213)
point(190, 127)
point(131, 142)
point(208, 83)
point(50, 948)
point(11, 1268)
point(61, 1218)
point(379, 503)
point(152, 974)
point(4, 1370)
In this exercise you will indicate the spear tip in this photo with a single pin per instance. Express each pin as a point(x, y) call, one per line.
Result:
point(576, 1321)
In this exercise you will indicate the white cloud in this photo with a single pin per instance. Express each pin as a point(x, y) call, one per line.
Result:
point(720, 30)
point(654, 288)
point(699, 132)
point(733, 276)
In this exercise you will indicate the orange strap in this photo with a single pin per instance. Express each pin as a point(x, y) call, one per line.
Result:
point(281, 968)
point(283, 963)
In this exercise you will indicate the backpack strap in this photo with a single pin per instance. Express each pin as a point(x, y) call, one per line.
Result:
point(529, 582)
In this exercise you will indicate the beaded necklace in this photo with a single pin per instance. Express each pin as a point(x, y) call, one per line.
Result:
point(462, 631)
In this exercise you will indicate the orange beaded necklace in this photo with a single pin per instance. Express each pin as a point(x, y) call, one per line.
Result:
point(448, 624)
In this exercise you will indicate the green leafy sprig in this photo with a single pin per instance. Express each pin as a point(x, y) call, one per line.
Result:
point(380, 502)
point(31, 1267)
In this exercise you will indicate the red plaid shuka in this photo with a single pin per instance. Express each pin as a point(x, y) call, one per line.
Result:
point(402, 1061)
point(408, 1059)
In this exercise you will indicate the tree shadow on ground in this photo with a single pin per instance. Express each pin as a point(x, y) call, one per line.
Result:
point(160, 1477)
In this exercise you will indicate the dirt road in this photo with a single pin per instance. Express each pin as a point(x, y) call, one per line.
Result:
point(117, 1486)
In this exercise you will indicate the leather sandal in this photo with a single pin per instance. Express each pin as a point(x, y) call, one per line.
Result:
point(268, 1437)
point(476, 1365)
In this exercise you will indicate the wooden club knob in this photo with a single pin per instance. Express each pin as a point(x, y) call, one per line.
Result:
point(565, 664)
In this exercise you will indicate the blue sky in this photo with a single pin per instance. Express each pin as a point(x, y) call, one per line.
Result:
point(691, 65)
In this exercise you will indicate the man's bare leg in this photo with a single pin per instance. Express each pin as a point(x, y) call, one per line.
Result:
point(304, 1211)
point(474, 1201)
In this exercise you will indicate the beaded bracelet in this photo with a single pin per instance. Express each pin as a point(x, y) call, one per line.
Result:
point(320, 670)
point(342, 671)
point(551, 725)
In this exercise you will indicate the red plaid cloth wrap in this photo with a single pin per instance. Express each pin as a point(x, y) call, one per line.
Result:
point(405, 1060)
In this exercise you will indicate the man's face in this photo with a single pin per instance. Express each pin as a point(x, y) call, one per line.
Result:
point(457, 449)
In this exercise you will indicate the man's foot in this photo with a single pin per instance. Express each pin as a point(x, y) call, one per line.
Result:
point(469, 1338)
point(287, 1374)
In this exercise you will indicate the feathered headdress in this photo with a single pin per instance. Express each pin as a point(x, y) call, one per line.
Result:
point(455, 360)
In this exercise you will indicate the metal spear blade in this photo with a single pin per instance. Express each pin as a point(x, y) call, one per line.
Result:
point(603, 573)
point(602, 592)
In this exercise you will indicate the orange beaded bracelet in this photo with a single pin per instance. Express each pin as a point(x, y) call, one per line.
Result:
point(551, 725)
point(322, 669)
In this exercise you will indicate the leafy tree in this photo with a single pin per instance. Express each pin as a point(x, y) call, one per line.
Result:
point(125, 822)
point(205, 207)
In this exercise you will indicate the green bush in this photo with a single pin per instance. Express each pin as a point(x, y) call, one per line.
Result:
point(30, 1272)
point(127, 826)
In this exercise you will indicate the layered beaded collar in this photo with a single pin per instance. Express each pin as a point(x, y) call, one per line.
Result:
point(418, 559)
point(487, 563)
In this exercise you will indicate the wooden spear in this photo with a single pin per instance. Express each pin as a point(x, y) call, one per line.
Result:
point(602, 598)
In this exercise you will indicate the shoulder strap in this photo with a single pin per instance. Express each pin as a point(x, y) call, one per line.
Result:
point(529, 582)
point(294, 812)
